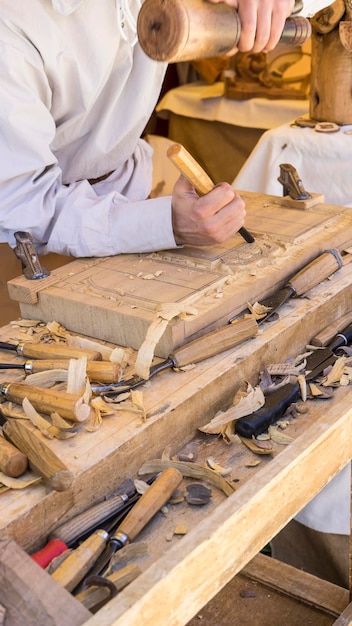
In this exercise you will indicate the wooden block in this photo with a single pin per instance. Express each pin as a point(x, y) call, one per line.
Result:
point(30, 596)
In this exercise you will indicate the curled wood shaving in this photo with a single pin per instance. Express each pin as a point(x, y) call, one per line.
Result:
point(252, 445)
point(48, 378)
point(258, 311)
point(22, 482)
point(77, 375)
point(103, 407)
point(165, 312)
point(218, 468)
point(244, 404)
point(335, 373)
point(303, 386)
point(141, 486)
point(279, 437)
point(192, 470)
point(137, 400)
point(180, 529)
point(284, 369)
point(40, 422)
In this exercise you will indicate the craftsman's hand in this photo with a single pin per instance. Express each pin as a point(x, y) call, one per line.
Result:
point(205, 220)
point(262, 22)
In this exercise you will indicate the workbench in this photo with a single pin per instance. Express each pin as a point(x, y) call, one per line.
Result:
point(180, 576)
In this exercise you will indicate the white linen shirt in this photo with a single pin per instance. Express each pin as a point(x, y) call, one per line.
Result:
point(76, 92)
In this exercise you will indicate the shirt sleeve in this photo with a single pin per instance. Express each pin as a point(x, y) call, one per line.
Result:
point(71, 219)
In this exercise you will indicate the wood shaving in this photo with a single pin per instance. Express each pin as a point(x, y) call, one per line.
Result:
point(335, 373)
point(48, 378)
point(244, 403)
point(180, 529)
point(303, 387)
point(137, 400)
point(192, 470)
point(77, 375)
point(218, 468)
point(253, 447)
point(279, 437)
point(141, 486)
point(22, 482)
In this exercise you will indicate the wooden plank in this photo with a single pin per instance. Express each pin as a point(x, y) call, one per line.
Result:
point(30, 596)
point(116, 298)
point(297, 584)
point(345, 619)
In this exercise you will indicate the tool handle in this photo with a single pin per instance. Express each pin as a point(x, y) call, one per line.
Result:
point(275, 406)
point(48, 400)
point(326, 335)
point(13, 462)
point(28, 439)
point(188, 166)
point(343, 338)
point(53, 548)
point(315, 272)
point(150, 503)
point(38, 350)
point(215, 342)
point(184, 30)
point(83, 522)
point(74, 568)
point(98, 371)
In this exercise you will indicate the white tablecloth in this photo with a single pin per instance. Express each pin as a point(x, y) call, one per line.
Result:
point(205, 102)
point(324, 163)
point(322, 160)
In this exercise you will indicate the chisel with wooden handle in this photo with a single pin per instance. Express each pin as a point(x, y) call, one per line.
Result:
point(48, 401)
point(104, 515)
point(97, 371)
point(12, 461)
point(204, 347)
point(37, 350)
point(195, 174)
point(100, 547)
point(308, 277)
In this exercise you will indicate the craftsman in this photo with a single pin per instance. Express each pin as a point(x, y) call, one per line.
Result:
point(77, 92)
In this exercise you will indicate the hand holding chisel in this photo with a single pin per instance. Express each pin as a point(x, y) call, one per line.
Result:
point(195, 174)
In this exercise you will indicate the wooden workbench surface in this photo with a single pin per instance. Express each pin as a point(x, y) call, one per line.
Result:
point(180, 575)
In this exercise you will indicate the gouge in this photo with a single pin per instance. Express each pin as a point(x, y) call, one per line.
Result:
point(277, 402)
point(310, 276)
point(97, 371)
point(195, 174)
point(204, 347)
point(48, 401)
point(80, 561)
point(37, 350)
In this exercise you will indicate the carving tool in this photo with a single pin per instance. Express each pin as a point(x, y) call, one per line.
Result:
point(104, 515)
point(310, 276)
point(48, 401)
point(38, 350)
point(25, 251)
point(184, 30)
point(97, 371)
point(41, 458)
point(73, 569)
point(12, 461)
point(277, 403)
point(204, 347)
point(195, 174)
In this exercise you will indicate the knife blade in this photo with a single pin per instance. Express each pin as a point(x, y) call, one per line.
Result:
point(279, 400)
point(204, 347)
point(308, 277)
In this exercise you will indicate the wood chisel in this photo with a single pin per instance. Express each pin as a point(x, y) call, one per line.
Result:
point(195, 174)
point(99, 547)
point(97, 371)
point(204, 347)
point(38, 350)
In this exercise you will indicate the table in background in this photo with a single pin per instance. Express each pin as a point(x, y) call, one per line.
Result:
point(322, 160)
point(219, 132)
